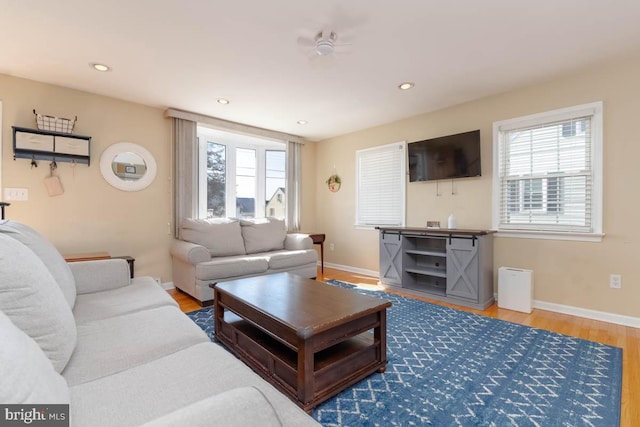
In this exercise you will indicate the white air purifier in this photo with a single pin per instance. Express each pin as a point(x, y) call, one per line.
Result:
point(515, 289)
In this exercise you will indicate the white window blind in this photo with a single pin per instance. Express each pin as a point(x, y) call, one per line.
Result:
point(547, 175)
point(381, 181)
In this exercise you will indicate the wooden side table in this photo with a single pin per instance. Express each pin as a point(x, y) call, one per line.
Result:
point(318, 239)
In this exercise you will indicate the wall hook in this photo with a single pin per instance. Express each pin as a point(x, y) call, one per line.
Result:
point(33, 162)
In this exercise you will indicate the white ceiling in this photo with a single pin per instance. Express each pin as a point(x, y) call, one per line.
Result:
point(185, 54)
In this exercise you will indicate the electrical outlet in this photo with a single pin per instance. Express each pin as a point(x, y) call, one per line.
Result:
point(11, 194)
point(331, 246)
point(615, 281)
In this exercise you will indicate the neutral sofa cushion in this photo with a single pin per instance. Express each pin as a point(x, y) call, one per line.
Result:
point(263, 234)
point(143, 293)
point(26, 375)
point(188, 375)
point(289, 259)
point(47, 253)
point(240, 407)
point(115, 344)
point(220, 235)
point(30, 297)
point(234, 266)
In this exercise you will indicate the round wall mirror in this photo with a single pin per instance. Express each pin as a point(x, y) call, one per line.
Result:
point(128, 166)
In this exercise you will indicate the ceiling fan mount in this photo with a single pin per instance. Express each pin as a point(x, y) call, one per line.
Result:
point(325, 42)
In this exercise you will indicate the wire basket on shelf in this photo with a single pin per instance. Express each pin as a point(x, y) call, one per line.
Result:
point(55, 124)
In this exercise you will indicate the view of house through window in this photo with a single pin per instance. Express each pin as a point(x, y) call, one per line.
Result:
point(240, 176)
point(547, 173)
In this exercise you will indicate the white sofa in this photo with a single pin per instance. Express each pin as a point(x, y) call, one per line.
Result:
point(213, 250)
point(117, 350)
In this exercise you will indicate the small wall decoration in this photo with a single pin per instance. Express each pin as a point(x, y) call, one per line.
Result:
point(334, 183)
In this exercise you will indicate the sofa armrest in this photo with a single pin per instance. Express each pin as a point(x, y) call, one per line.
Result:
point(240, 407)
point(297, 241)
point(100, 275)
point(188, 252)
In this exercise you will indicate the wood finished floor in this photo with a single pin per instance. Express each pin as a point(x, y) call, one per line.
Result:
point(624, 337)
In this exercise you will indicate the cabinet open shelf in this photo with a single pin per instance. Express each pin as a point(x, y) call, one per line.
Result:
point(430, 253)
point(427, 272)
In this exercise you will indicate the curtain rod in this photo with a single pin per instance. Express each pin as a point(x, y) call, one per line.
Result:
point(233, 126)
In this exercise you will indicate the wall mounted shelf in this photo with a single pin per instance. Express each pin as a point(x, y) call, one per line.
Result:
point(35, 144)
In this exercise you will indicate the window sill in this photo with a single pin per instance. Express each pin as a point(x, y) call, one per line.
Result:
point(550, 235)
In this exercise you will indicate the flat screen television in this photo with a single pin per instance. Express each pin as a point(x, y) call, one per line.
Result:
point(446, 157)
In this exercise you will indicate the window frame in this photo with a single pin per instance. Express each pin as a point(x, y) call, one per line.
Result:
point(232, 143)
point(595, 110)
point(402, 145)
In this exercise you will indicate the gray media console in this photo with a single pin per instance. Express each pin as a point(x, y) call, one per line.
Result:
point(455, 266)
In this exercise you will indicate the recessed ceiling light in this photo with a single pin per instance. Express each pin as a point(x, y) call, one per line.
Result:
point(100, 67)
point(406, 86)
point(222, 101)
point(302, 122)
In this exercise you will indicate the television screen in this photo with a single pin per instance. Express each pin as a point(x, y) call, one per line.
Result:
point(446, 157)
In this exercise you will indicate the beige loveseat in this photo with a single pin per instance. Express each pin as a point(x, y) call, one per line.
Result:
point(213, 250)
point(117, 350)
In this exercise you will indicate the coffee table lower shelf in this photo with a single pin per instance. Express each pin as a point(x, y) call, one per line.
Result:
point(334, 368)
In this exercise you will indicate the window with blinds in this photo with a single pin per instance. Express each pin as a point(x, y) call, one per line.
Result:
point(381, 181)
point(547, 173)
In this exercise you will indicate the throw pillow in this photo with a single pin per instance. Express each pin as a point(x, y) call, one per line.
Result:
point(27, 375)
point(263, 234)
point(30, 297)
point(48, 253)
point(221, 236)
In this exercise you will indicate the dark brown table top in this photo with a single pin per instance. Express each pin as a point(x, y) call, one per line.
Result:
point(304, 305)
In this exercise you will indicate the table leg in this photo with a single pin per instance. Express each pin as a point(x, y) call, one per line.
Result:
point(380, 335)
point(305, 372)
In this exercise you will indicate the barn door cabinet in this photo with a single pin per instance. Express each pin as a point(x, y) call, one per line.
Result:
point(455, 266)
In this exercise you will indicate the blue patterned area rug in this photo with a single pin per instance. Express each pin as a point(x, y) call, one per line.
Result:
point(453, 368)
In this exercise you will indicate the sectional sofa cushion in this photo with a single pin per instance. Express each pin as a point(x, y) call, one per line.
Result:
point(290, 259)
point(263, 234)
point(112, 345)
point(240, 407)
point(220, 235)
point(47, 253)
point(30, 297)
point(188, 375)
point(26, 375)
point(233, 266)
point(143, 293)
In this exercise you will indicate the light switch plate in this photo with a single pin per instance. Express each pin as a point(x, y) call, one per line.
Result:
point(12, 194)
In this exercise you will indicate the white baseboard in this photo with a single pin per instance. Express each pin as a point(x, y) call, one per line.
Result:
point(602, 316)
point(168, 285)
point(352, 269)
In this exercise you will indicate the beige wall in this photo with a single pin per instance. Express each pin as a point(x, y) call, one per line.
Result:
point(567, 273)
point(91, 215)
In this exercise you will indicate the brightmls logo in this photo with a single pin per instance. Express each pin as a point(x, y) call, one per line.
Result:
point(34, 415)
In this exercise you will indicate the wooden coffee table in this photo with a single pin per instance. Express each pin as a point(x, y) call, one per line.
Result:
point(309, 339)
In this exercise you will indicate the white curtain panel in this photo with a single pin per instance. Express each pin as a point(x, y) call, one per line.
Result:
point(293, 186)
point(185, 171)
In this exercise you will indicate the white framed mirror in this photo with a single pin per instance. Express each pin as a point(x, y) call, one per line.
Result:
point(128, 166)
